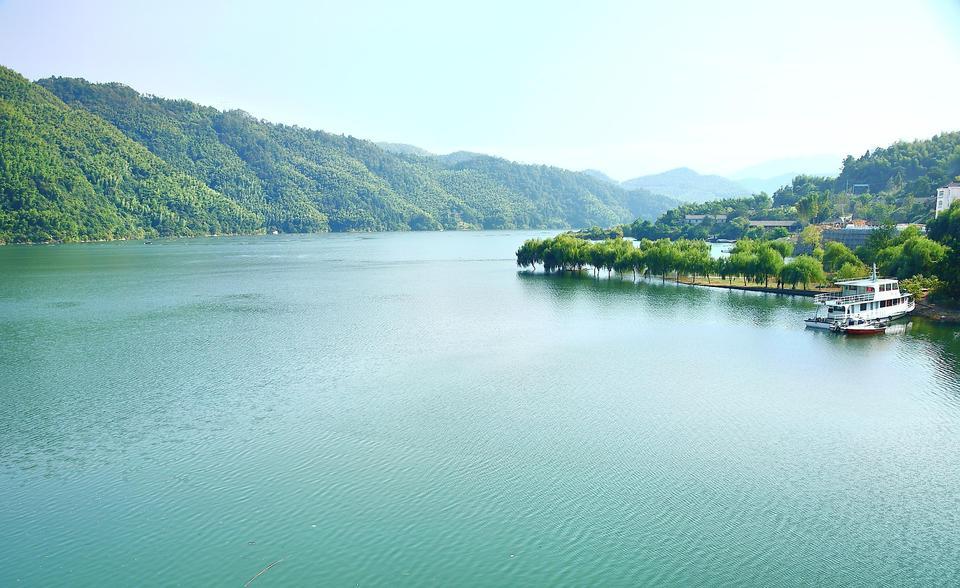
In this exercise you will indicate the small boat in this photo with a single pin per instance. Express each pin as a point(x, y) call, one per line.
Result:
point(861, 327)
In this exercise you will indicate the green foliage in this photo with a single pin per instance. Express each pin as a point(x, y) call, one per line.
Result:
point(946, 230)
point(783, 247)
point(901, 179)
point(82, 161)
point(836, 254)
point(916, 255)
point(803, 269)
point(921, 285)
point(851, 271)
point(811, 236)
point(66, 175)
point(567, 252)
point(759, 261)
point(297, 177)
point(673, 224)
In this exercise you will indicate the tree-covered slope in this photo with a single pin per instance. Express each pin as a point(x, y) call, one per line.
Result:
point(304, 180)
point(895, 183)
point(68, 175)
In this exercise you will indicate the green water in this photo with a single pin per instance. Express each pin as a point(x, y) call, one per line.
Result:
point(408, 409)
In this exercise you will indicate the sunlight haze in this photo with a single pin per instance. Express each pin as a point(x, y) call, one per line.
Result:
point(625, 87)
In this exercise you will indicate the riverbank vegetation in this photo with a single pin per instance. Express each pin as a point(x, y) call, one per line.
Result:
point(885, 186)
point(926, 265)
point(752, 262)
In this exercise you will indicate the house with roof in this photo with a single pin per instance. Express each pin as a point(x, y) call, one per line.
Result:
point(946, 196)
point(696, 219)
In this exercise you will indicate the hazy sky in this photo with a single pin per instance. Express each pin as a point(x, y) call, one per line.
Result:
point(625, 87)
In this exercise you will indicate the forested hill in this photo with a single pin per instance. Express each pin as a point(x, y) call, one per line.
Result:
point(67, 174)
point(895, 183)
point(98, 161)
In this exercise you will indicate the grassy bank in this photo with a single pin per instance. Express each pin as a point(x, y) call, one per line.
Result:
point(751, 286)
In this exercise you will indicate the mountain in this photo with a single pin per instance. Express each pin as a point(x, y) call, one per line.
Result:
point(595, 173)
point(403, 149)
point(82, 161)
point(66, 174)
point(688, 186)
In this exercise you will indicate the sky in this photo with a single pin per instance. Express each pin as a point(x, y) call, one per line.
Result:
point(626, 87)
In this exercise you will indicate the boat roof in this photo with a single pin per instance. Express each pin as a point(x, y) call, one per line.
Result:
point(866, 282)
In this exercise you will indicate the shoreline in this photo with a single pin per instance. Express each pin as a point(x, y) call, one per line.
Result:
point(937, 312)
point(924, 308)
point(762, 289)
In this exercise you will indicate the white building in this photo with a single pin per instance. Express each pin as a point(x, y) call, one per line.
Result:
point(947, 196)
point(696, 219)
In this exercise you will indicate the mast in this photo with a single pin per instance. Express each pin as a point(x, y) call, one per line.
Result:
point(873, 276)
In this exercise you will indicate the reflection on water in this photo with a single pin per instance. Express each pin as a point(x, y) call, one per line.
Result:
point(408, 409)
point(680, 302)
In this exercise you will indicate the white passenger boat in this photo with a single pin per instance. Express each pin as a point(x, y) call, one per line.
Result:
point(870, 299)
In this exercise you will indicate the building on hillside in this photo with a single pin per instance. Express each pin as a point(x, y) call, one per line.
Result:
point(855, 235)
point(696, 219)
point(836, 223)
point(946, 196)
point(852, 236)
point(790, 225)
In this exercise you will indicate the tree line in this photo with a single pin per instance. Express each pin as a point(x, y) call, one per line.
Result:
point(906, 254)
point(750, 260)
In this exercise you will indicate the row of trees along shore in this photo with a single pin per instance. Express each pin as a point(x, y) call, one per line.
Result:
point(762, 262)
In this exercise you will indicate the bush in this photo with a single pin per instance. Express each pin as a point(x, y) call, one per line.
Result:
point(920, 285)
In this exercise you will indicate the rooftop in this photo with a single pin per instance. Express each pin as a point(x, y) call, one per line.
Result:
point(866, 282)
point(703, 216)
point(772, 223)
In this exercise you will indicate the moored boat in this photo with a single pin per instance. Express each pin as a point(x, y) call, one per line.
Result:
point(862, 327)
point(869, 299)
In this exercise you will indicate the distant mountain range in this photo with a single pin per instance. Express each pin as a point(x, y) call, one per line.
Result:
point(83, 161)
point(687, 185)
point(769, 176)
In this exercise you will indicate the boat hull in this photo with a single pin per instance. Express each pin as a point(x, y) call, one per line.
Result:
point(815, 324)
point(859, 332)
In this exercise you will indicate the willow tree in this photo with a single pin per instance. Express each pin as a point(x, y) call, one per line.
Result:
point(530, 253)
point(803, 268)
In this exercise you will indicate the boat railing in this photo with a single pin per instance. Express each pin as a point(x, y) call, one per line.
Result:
point(835, 298)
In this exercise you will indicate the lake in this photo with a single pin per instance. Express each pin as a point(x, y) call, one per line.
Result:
point(410, 410)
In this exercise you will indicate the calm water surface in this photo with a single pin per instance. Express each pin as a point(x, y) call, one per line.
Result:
point(408, 409)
